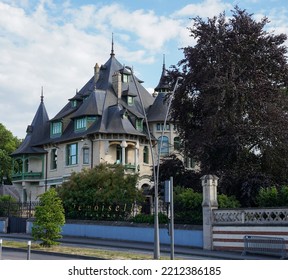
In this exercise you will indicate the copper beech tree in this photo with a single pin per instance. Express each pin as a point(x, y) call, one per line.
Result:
point(231, 108)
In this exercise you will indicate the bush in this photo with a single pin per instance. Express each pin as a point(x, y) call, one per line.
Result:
point(225, 201)
point(187, 206)
point(8, 205)
point(149, 219)
point(93, 193)
point(273, 197)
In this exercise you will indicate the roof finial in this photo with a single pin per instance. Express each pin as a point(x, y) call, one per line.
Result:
point(42, 95)
point(163, 62)
point(112, 48)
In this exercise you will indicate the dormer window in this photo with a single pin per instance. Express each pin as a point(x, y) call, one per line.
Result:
point(124, 114)
point(84, 123)
point(80, 124)
point(125, 78)
point(130, 100)
point(56, 129)
point(73, 103)
point(139, 125)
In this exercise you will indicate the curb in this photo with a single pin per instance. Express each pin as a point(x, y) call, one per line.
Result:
point(70, 256)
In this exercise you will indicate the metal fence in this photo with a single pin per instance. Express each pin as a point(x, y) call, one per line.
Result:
point(18, 209)
point(102, 211)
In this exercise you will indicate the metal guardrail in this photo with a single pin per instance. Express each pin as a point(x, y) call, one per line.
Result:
point(264, 245)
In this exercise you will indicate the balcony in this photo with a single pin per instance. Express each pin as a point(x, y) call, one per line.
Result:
point(27, 176)
point(130, 166)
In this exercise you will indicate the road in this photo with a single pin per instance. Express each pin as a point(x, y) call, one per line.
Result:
point(181, 252)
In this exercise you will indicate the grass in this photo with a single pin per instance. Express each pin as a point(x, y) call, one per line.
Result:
point(91, 252)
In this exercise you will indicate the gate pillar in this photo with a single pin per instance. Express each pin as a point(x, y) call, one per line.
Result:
point(209, 185)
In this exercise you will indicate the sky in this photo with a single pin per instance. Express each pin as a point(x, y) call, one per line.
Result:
point(56, 44)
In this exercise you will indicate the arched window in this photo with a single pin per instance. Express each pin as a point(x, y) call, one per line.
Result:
point(165, 146)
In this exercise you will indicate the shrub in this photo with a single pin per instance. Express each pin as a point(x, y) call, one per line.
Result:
point(273, 197)
point(93, 193)
point(149, 219)
point(8, 205)
point(187, 206)
point(225, 201)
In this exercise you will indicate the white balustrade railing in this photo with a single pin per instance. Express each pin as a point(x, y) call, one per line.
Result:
point(254, 216)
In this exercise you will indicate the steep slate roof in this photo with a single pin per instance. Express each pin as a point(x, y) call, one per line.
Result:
point(36, 133)
point(113, 115)
point(101, 100)
point(92, 105)
point(157, 111)
point(118, 122)
point(163, 84)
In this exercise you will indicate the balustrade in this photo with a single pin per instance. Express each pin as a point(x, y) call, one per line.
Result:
point(251, 216)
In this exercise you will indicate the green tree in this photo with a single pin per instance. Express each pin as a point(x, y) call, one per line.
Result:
point(231, 109)
point(101, 187)
point(8, 144)
point(49, 218)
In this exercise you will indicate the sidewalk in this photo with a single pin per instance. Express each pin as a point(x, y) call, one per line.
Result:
point(142, 246)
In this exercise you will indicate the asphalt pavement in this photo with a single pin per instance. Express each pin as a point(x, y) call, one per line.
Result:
point(119, 245)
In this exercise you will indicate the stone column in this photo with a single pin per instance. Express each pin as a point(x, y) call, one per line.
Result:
point(124, 146)
point(209, 184)
point(136, 161)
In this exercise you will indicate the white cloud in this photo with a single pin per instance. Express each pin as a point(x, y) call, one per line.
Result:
point(40, 48)
point(207, 8)
point(57, 45)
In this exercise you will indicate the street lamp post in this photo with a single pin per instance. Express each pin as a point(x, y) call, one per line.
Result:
point(156, 203)
point(159, 154)
point(155, 174)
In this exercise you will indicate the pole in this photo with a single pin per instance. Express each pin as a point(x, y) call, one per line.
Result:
point(0, 249)
point(156, 201)
point(172, 218)
point(29, 250)
point(156, 178)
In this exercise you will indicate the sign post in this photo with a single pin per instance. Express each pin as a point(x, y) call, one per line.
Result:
point(171, 218)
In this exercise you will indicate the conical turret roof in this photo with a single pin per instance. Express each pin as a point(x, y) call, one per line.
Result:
point(37, 132)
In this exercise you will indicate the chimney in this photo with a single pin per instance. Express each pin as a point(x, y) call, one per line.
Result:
point(117, 84)
point(96, 73)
